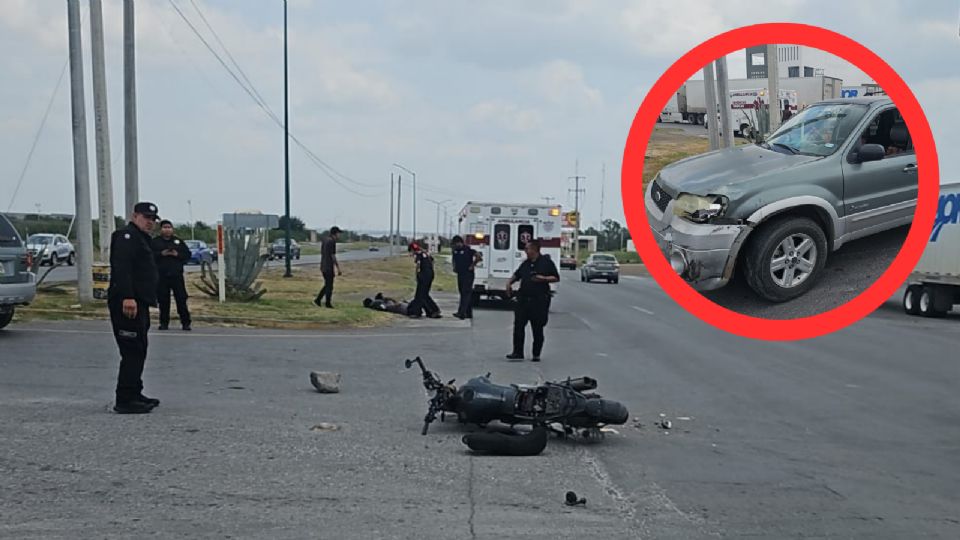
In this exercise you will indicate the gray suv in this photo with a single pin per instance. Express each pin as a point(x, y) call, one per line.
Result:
point(18, 285)
point(837, 171)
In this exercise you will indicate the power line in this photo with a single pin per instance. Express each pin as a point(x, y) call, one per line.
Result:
point(328, 170)
point(36, 138)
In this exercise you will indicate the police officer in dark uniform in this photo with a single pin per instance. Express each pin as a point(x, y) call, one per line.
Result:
point(133, 289)
point(535, 275)
point(171, 253)
point(465, 260)
point(422, 301)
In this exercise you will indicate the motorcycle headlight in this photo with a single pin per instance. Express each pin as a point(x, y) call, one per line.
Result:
point(699, 208)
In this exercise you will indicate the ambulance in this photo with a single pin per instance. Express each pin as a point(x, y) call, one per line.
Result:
point(500, 232)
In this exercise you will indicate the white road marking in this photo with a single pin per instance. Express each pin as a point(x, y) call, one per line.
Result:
point(584, 321)
point(641, 310)
point(605, 355)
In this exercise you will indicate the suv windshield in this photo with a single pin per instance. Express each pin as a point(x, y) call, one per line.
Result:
point(41, 239)
point(818, 130)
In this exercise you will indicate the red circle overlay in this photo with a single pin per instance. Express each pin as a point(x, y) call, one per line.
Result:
point(633, 193)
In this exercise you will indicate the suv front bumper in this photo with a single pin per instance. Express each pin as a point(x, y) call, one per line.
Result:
point(704, 255)
point(12, 294)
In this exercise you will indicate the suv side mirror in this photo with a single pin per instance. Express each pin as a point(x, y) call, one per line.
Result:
point(871, 152)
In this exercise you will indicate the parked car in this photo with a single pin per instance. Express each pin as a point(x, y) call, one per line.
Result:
point(373, 248)
point(837, 171)
point(278, 250)
point(569, 262)
point(600, 266)
point(18, 285)
point(52, 249)
point(200, 252)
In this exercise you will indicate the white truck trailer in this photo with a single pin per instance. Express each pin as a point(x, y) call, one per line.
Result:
point(689, 102)
point(934, 286)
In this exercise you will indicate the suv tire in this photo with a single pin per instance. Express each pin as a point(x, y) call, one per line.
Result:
point(5, 318)
point(71, 259)
point(800, 245)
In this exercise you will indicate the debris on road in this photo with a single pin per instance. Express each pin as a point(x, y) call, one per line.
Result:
point(325, 382)
point(325, 426)
point(573, 500)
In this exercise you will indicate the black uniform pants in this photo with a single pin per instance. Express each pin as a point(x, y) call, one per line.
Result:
point(327, 290)
point(421, 299)
point(131, 336)
point(165, 285)
point(533, 310)
point(465, 286)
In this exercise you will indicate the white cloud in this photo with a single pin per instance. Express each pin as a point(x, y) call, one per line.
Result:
point(504, 115)
point(562, 83)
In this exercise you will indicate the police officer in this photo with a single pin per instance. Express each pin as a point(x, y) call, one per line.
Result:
point(171, 253)
point(328, 262)
point(422, 301)
point(465, 261)
point(535, 275)
point(133, 289)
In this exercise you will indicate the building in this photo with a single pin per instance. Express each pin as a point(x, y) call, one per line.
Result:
point(799, 61)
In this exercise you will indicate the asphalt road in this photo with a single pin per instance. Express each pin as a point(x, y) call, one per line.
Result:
point(849, 271)
point(853, 435)
point(63, 274)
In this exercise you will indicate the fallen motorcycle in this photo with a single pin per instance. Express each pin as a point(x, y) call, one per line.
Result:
point(564, 408)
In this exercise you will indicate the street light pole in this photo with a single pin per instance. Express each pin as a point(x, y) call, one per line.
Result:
point(414, 197)
point(286, 142)
point(193, 224)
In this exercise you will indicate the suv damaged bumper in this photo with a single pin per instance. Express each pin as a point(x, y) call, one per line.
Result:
point(704, 255)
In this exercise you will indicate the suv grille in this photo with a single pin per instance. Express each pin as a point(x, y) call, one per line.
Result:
point(660, 197)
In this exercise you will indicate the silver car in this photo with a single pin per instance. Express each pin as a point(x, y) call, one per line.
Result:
point(51, 249)
point(837, 171)
point(600, 266)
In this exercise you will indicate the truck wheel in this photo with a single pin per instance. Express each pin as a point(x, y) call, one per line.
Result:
point(5, 318)
point(785, 258)
point(928, 303)
point(911, 300)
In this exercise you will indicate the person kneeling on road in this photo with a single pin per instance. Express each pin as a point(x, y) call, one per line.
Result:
point(535, 275)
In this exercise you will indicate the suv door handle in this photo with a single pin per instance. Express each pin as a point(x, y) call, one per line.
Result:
point(910, 168)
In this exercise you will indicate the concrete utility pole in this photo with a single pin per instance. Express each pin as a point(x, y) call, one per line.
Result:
point(723, 97)
point(286, 147)
point(773, 85)
point(603, 181)
point(391, 214)
point(102, 131)
point(399, 186)
point(81, 167)
point(130, 175)
point(713, 131)
point(576, 209)
point(399, 166)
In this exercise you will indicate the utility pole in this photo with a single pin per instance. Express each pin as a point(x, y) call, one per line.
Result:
point(412, 173)
point(81, 167)
point(286, 143)
point(130, 173)
point(723, 97)
point(193, 224)
point(576, 209)
point(102, 131)
point(603, 182)
point(391, 214)
point(399, 186)
point(713, 130)
point(773, 86)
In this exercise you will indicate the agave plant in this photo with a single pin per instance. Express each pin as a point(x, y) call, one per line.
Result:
point(243, 259)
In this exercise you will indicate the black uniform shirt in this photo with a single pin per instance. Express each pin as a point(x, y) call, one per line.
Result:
point(424, 265)
point(535, 289)
point(170, 266)
point(328, 251)
point(463, 259)
point(133, 271)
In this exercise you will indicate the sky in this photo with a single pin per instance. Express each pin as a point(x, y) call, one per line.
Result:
point(494, 100)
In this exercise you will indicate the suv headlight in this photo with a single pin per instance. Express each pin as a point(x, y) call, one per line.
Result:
point(699, 208)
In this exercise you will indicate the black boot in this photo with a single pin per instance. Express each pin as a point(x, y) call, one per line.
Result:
point(131, 407)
